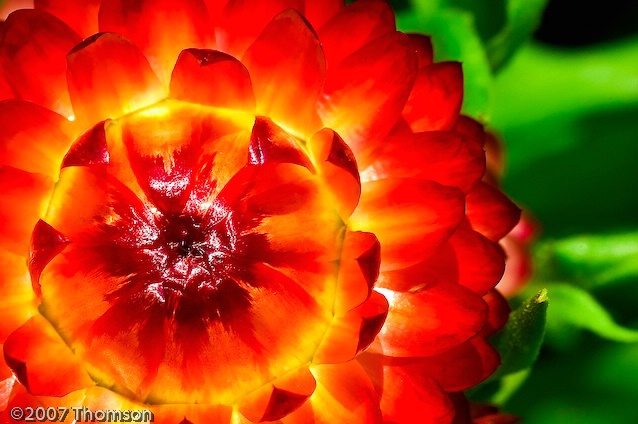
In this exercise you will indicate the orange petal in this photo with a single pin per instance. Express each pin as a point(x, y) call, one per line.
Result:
point(46, 243)
point(430, 321)
point(33, 138)
point(18, 300)
point(364, 20)
point(241, 21)
point(344, 394)
point(446, 157)
point(33, 55)
point(338, 168)
point(352, 332)
point(275, 400)
point(98, 91)
point(364, 94)
point(406, 394)
point(319, 12)
point(423, 46)
point(41, 360)
point(480, 262)
point(193, 414)
point(269, 144)
point(89, 149)
point(358, 270)
point(160, 28)
point(81, 15)
point(23, 200)
point(289, 97)
point(435, 101)
point(412, 218)
point(491, 212)
point(212, 78)
point(22, 399)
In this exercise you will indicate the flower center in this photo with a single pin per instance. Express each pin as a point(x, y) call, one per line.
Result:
point(180, 258)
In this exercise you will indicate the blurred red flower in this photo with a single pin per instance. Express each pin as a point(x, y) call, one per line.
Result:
point(234, 211)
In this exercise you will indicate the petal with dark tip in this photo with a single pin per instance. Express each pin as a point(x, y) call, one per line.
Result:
point(269, 144)
point(46, 244)
point(435, 101)
point(33, 54)
point(289, 97)
point(81, 15)
point(212, 78)
point(411, 218)
point(41, 360)
point(491, 212)
point(364, 94)
point(89, 149)
point(448, 314)
point(160, 28)
point(99, 92)
point(423, 45)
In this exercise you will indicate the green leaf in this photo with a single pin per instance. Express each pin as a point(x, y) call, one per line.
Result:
point(591, 261)
point(523, 16)
point(521, 339)
point(454, 37)
point(573, 307)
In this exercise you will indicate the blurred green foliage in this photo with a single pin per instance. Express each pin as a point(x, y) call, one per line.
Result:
point(569, 121)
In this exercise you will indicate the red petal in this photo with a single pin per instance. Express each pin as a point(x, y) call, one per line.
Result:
point(358, 270)
point(424, 52)
point(212, 78)
point(319, 12)
point(89, 149)
point(269, 144)
point(81, 15)
point(33, 138)
point(411, 218)
point(23, 200)
point(18, 300)
point(189, 414)
point(344, 394)
point(406, 394)
point(352, 332)
point(338, 169)
point(364, 94)
point(429, 322)
point(46, 244)
point(277, 399)
point(448, 158)
point(241, 21)
point(480, 262)
point(498, 312)
point(98, 91)
point(41, 360)
point(364, 20)
point(287, 67)
point(160, 28)
point(436, 99)
point(491, 212)
point(33, 55)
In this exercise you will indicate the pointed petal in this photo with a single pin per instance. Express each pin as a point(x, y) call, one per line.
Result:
point(446, 157)
point(160, 28)
point(288, 97)
point(212, 78)
point(435, 101)
point(352, 332)
point(270, 144)
point(99, 92)
point(344, 394)
point(41, 360)
point(498, 312)
point(33, 56)
point(81, 15)
point(365, 21)
point(23, 200)
point(46, 243)
point(411, 218)
point(480, 261)
point(241, 21)
point(33, 138)
point(429, 322)
point(338, 169)
point(491, 212)
point(275, 400)
point(18, 300)
point(406, 394)
point(364, 94)
point(89, 149)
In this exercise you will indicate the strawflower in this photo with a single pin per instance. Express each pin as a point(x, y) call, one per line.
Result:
point(241, 211)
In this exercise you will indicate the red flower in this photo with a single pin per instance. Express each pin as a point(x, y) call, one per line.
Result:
point(241, 211)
